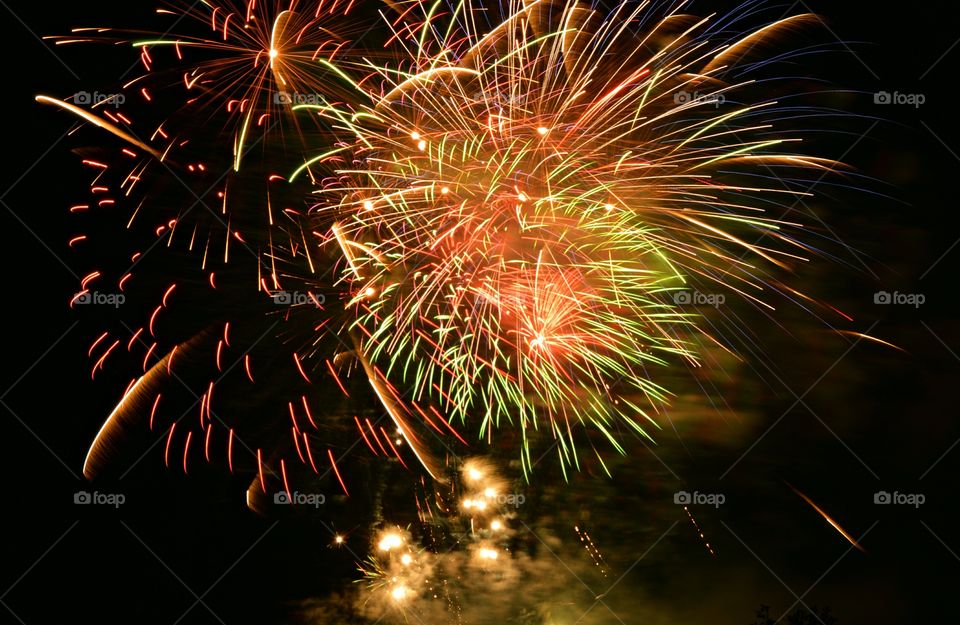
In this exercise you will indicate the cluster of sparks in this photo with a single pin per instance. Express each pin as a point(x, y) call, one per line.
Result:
point(403, 573)
point(516, 214)
point(509, 202)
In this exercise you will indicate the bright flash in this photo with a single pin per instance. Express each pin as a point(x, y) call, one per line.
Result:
point(478, 504)
point(496, 525)
point(406, 559)
point(274, 53)
point(489, 493)
point(399, 593)
point(390, 541)
point(488, 554)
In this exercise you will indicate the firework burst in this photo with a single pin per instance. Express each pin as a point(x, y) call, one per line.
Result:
point(518, 206)
point(508, 206)
point(249, 61)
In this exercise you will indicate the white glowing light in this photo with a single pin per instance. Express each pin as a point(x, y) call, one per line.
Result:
point(390, 541)
point(488, 554)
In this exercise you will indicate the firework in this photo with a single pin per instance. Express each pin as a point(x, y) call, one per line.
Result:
point(470, 541)
point(247, 61)
point(521, 205)
point(507, 215)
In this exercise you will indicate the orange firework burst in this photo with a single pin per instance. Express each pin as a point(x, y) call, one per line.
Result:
point(504, 219)
point(520, 206)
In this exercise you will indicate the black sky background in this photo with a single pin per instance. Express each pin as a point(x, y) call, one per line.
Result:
point(884, 420)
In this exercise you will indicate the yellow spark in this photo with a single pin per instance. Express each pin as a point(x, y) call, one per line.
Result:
point(488, 554)
point(390, 541)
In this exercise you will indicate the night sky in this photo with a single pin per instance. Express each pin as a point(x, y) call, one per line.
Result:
point(837, 418)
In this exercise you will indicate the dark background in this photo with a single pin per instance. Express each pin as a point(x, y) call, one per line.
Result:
point(876, 420)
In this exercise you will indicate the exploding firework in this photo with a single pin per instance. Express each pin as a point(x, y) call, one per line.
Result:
point(205, 128)
point(520, 207)
point(469, 539)
point(246, 61)
point(507, 215)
